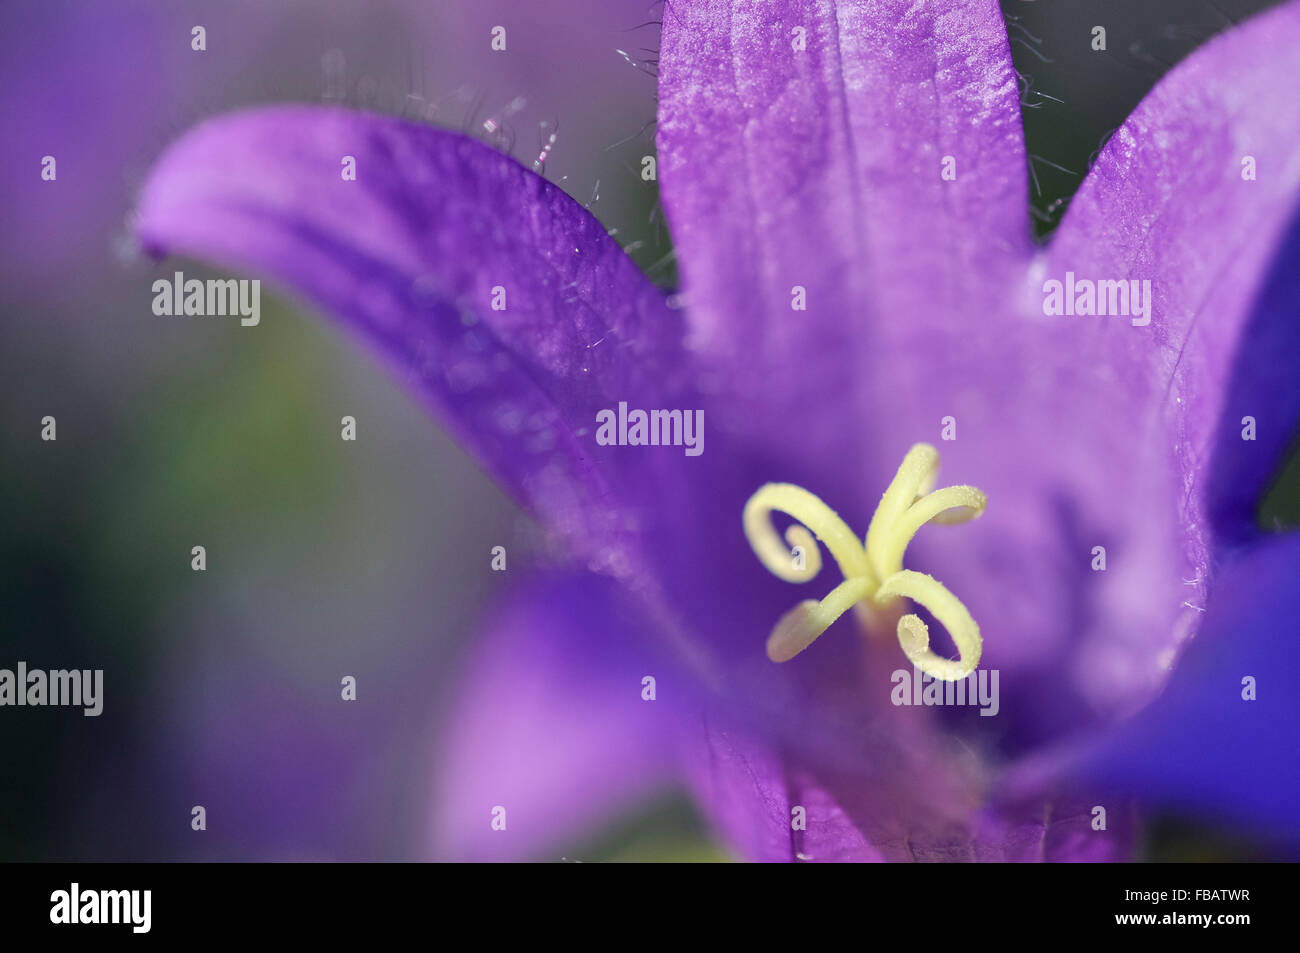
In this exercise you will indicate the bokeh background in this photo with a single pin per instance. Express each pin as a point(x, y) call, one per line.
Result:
point(327, 558)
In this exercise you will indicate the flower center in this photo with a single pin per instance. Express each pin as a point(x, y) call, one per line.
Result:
point(873, 573)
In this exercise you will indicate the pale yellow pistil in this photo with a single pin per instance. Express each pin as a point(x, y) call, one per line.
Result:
point(873, 573)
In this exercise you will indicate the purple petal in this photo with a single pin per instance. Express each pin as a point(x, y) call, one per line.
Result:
point(551, 724)
point(1202, 747)
point(911, 797)
point(822, 168)
point(1057, 830)
point(1168, 200)
point(408, 256)
point(1262, 386)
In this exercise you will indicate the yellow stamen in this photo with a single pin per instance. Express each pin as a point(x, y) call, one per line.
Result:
point(872, 571)
point(914, 636)
point(810, 618)
point(811, 512)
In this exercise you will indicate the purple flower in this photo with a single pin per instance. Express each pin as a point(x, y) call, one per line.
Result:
point(846, 187)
